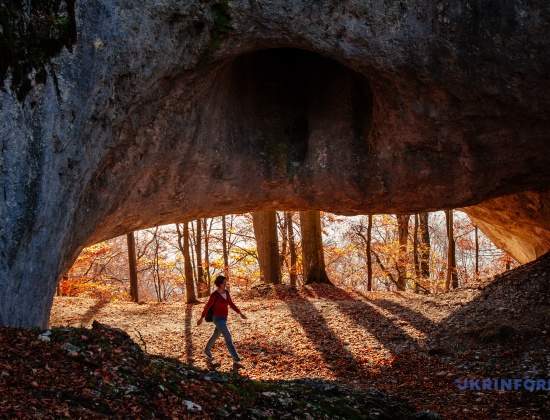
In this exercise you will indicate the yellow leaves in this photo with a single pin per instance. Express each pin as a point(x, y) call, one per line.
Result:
point(94, 289)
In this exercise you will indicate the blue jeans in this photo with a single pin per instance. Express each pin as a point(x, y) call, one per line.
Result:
point(221, 328)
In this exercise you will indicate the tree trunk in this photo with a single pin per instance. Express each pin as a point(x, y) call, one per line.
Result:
point(265, 231)
point(403, 235)
point(452, 277)
point(284, 242)
point(192, 252)
point(188, 269)
point(207, 253)
point(132, 265)
point(224, 248)
point(292, 248)
point(189, 280)
point(384, 269)
point(157, 281)
point(424, 245)
point(201, 284)
point(416, 259)
point(369, 256)
point(313, 259)
point(415, 247)
point(476, 235)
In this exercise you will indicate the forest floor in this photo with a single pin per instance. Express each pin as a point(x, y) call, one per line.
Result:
point(410, 346)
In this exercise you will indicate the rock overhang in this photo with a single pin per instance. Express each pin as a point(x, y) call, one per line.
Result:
point(175, 110)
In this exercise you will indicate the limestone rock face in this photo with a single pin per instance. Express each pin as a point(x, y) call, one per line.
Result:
point(518, 223)
point(162, 110)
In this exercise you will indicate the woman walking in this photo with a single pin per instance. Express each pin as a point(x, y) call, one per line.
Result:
point(217, 305)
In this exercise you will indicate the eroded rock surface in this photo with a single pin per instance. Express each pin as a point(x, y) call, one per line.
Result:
point(518, 223)
point(166, 110)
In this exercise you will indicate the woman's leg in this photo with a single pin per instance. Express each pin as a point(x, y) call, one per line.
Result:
point(221, 325)
point(210, 344)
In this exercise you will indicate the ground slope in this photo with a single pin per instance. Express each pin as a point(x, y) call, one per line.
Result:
point(101, 373)
point(410, 346)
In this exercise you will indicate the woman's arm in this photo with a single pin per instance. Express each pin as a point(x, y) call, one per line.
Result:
point(234, 307)
point(208, 305)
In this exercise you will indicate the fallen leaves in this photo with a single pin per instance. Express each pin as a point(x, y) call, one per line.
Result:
point(407, 345)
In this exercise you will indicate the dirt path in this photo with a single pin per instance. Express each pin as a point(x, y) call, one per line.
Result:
point(310, 334)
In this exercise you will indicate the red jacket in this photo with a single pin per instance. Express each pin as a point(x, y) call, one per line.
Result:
point(220, 305)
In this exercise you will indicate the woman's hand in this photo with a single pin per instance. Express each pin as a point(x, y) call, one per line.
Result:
point(243, 316)
point(199, 321)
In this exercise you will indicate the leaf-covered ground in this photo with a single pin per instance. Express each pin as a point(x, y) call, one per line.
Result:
point(408, 346)
point(101, 373)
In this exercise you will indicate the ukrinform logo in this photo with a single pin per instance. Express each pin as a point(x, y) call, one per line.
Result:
point(503, 384)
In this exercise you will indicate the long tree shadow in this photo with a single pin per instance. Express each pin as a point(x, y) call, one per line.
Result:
point(364, 314)
point(414, 318)
point(327, 343)
point(187, 334)
point(93, 311)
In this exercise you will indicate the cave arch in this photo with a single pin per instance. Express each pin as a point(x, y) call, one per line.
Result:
point(285, 117)
point(155, 115)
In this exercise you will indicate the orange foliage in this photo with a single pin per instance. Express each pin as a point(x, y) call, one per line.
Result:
point(86, 278)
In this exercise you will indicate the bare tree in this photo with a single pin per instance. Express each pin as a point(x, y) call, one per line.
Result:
point(292, 248)
point(416, 258)
point(425, 247)
point(384, 269)
point(369, 256)
point(265, 231)
point(476, 238)
point(192, 251)
point(132, 265)
point(403, 235)
point(183, 244)
point(359, 231)
point(281, 223)
point(415, 247)
point(224, 248)
point(313, 259)
point(452, 277)
point(206, 229)
point(201, 284)
point(155, 269)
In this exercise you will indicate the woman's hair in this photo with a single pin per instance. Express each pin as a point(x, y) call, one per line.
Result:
point(219, 281)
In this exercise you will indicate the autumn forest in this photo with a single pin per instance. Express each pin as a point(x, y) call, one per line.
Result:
point(301, 209)
point(367, 253)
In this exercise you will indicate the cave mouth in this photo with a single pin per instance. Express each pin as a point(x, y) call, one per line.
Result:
point(279, 100)
point(277, 128)
point(289, 118)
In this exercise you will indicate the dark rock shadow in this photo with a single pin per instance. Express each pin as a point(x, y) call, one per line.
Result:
point(512, 309)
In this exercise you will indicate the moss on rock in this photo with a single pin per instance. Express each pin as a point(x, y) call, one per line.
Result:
point(31, 33)
point(222, 19)
point(221, 27)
